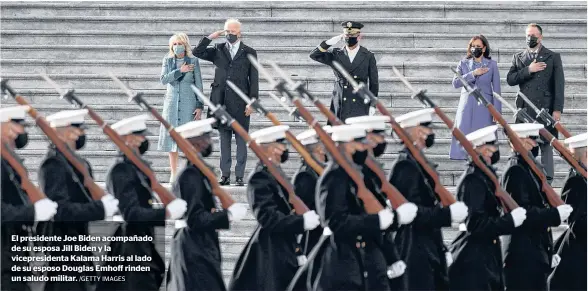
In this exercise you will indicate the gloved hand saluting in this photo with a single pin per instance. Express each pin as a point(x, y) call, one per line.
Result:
point(45, 209)
point(335, 39)
point(176, 208)
point(459, 211)
point(311, 220)
point(110, 205)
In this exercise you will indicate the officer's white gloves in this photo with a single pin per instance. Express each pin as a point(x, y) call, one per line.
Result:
point(237, 212)
point(335, 39)
point(448, 258)
point(372, 110)
point(519, 215)
point(386, 217)
point(311, 220)
point(45, 209)
point(177, 208)
point(110, 205)
point(459, 211)
point(555, 260)
point(406, 213)
point(564, 212)
point(396, 270)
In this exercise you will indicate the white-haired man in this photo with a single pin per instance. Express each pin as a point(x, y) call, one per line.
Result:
point(231, 63)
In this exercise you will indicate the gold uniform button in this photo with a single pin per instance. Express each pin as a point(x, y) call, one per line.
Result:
point(548, 229)
point(354, 100)
point(363, 244)
point(357, 245)
point(494, 241)
point(345, 87)
point(150, 201)
point(344, 99)
point(297, 249)
point(359, 237)
point(355, 77)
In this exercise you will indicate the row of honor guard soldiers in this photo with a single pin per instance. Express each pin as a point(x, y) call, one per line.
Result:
point(360, 252)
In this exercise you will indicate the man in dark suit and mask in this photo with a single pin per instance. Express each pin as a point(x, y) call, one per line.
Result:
point(231, 63)
point(539, 73)
point(358, 61)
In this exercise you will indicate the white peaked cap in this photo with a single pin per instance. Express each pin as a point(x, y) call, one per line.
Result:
point(577, 141)
point(270, 134)
point(307, 137)
point(483, 135)
point(370, 123)
point(13, 113)
point(347, 133)
point(67, 117)
point(195, 128)
point(524, 130)
point(131, 125)
point(416, 117)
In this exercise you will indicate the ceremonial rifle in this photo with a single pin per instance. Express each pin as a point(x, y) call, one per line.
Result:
point(507, 201)
point(544, 117)
point(95, 191)
point(563, 151)
point(34, 193)
point(552, 197)
point(69, 96)
point(289, 136)
point(225, 118)
point(370, 203)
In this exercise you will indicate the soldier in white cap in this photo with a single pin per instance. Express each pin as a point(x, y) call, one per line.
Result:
point(571, 272)
point(18, 213)
point(132, 187)
point(529, 255)
point(195, 261)
point(64, 184)
point(353, 259)
point(269, 260)
point(477, 249)
point(421, 243)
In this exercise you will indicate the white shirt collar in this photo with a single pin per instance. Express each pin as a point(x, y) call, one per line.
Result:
point(352, 52)
point(535, 50)
point(234, 45)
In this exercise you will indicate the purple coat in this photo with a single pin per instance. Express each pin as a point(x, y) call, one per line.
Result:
point(471, 116)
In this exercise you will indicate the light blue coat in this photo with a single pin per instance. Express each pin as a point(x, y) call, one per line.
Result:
point(180, 101)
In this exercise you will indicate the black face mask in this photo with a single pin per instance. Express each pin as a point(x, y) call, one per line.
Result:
point(430, 141)
point(359, 157)
point(207, 151)
point(284, 156)
point(144, 146)
point(351, 41)
point(232, 38)
point(495, 157)
point(81, 141)
point(476, 51)
point(21, 140)
point(379, 149)
point(532, 41)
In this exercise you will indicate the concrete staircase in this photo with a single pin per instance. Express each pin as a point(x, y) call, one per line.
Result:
point(78, 43)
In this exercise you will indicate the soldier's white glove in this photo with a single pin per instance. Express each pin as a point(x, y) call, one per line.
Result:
point(564, 212)
point(406, 213)
point(311, 220)
point(449, 258)
point(386, 217)
point(396, 270)
point(372, 110)
point(519, 215)
point(459, 211)
point(176, 208)
point(237, 212)
point(555, 260)
point(45, 209)
point(110, 205)
point(333, 40)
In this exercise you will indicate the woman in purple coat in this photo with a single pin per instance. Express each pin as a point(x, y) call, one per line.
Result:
point(481, 72)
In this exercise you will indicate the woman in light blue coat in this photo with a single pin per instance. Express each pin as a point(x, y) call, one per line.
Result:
point(180, 69)
point(481, 72)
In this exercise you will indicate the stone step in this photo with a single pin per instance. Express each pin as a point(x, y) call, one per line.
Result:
point(333, 9)
point(314, 84)
point(308, 68)
point(282, 53)
point(257, 39)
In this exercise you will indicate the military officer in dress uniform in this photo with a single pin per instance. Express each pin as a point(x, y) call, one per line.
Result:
point(270, 258)
point(133, 189)
point(570, 274)
point(477, 249)
point(195, 262)
point(358, 61)
point(62, 183)
point(353, 259)
point(421, 242)
point(529, 255)
point(18, 213)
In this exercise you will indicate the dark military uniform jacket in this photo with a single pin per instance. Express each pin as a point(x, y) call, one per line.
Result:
point(528, 257)
point(345, 103)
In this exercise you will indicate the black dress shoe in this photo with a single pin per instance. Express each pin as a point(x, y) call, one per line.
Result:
point(239, 182)
point(224, 181)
